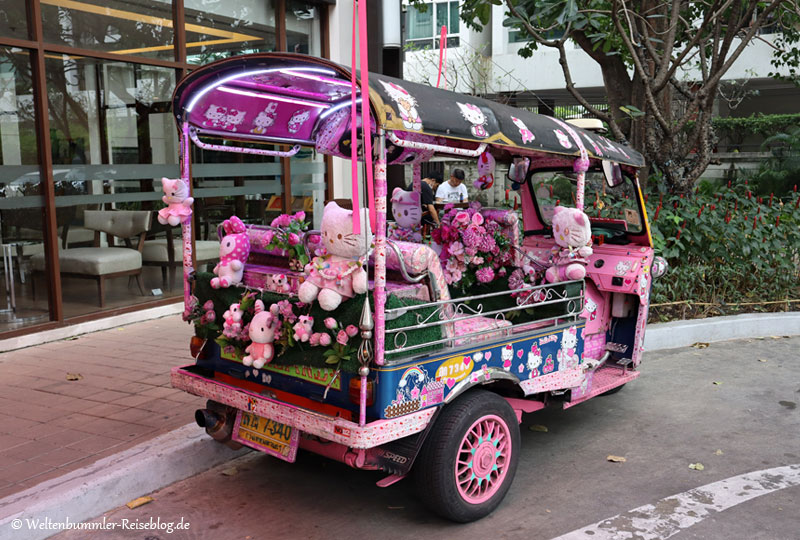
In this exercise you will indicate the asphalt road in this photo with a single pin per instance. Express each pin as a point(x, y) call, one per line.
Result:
point(732, 407)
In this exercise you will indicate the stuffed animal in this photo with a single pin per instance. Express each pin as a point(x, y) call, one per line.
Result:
point(302, 328)
point(486, 165)
point(262, 334)
point(232, 323)
point(233, 252)
point(279, 283)
point(407, 214)
point(339, 273)
point(573, 235)
point(176, 197)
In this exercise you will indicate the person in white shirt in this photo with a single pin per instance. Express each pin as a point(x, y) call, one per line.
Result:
point(454, 190)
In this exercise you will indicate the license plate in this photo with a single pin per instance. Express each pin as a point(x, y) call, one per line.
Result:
point(267, 435)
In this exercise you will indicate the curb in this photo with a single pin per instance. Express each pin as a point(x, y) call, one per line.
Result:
point(673, 335)
point(187, 451)
point(57, 334)
point(111, 482)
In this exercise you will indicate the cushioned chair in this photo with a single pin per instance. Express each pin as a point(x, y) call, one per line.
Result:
point(168, 254)
point(101, 263)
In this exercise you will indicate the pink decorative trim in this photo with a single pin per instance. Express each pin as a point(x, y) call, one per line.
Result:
point(558, 380)
point(186, 223)
point(240, 149)
point(405, 143)
point(333, 429)
point(581, 165)
point(603, 380)
point(380, 256)
point(417, 171)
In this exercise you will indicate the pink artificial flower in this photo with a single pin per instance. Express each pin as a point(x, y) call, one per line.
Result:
point(477, 219)
point(477, 260)
point(448, 207)
point(293, 239)
point(266, 238)
point(456, 248)
point(314, 339)
point(485, 274)
point(330, 323)
point(462, 218)
point(351, 330)
point(299, 216)
point(502, 272)
point(314, 239)
point(210, 316)
point(324, 340)
point(341, 337)
point(208, 306)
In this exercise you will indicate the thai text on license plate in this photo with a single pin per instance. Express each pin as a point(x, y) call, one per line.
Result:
point(267, 435)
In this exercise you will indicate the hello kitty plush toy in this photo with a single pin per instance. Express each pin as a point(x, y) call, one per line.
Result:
point(233, 252)
point(279, 283)
point(572, 233)
point(486, 165)
point(407, 214)
point(302, 328)
point(176, 197)
point(262, 334)
point(339, 273)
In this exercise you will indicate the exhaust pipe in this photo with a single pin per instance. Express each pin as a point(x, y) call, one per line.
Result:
point(218, 421)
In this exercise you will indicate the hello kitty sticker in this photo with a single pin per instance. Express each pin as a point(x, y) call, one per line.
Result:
point(563, 139)
point(265, 119)
point(406, 105)
point(474, 115)
point(297, 120)
point(224, 118)
point(524, 132)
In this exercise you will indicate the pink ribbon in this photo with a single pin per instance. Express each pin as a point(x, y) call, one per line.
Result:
point(442, 57)
point(353, 132)
point(365, 115)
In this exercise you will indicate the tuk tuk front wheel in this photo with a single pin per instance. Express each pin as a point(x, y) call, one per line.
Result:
point(469, 459)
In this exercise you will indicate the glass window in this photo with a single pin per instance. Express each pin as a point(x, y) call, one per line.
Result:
point(423, 34)
point(113, 139)
point(13, 19)
point(117, 26)
point(303, 32)
point(21, 202)
point(216, 29)
point(521, 36)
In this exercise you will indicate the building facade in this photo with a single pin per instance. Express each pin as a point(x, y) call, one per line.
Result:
point(86, 126)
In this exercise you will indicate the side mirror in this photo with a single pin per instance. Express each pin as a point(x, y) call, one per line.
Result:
point(518, 170)
point(613, 173)
point(659, 267)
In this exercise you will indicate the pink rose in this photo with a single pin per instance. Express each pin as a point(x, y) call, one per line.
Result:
point(330, 323)
point(299, 216)
point(210, 316)
point(351, 330)
point(324, 340)
point(208, 306)
point(293, 239)
point(266, 238)
point(462, 218)
point(456, 248)
point(477, 219)
point(314, 340)
point(341, 337)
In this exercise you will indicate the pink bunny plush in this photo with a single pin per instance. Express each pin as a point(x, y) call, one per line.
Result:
point(233, 252)
point(573, 235)
point(176, 197)
point(340, 272)
point(262, 334)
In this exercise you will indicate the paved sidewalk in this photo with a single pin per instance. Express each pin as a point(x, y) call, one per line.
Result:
point(50, 425)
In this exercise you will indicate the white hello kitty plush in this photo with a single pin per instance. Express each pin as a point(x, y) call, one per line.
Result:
point(567, 357)
point(534, 361)
point(572, 233)
point(279, 283)
point(486, 164)
point(298, 119)
point(265, 119)
point(507, 355)
point(176, 197)
point(339, 273)
point(262, 334)
point(407, 213)
point(406, 105)
point(214, 116)
point(233, 252)
point(474, 115)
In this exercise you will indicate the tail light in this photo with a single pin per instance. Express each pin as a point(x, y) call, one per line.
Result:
point(196, 347)
point(354, 391)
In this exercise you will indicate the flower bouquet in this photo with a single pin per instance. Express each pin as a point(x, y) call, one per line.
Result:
point(287, 235)
point(473, 248)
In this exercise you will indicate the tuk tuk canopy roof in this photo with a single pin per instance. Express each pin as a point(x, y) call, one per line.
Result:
point(291, 98)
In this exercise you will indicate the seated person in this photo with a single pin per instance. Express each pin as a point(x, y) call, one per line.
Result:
point(454, 190)
point(427, 189)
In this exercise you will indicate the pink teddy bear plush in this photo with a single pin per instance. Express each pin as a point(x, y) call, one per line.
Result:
point(176, 197)
point(302, 328)
point(573, 235)
point(262, 334)
point(232, 320)
point(233, 252)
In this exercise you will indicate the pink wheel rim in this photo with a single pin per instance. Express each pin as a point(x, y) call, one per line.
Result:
point(483, 459)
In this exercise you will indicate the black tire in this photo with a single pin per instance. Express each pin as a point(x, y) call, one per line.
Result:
point(438, 484)
point(613, 390)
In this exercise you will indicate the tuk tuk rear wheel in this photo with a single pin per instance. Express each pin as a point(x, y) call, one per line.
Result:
point(469, 459)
